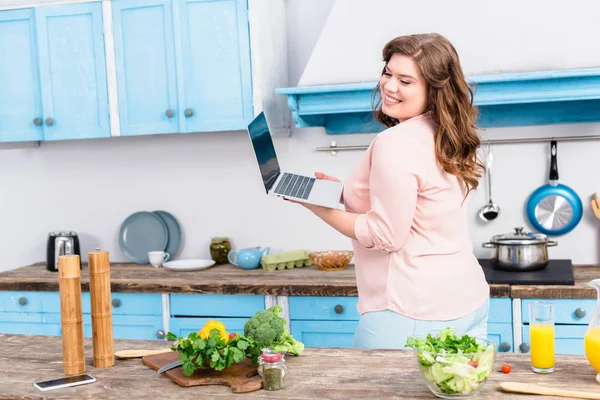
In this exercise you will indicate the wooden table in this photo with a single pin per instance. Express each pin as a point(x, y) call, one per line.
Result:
point(316, 374)
point(228, 279)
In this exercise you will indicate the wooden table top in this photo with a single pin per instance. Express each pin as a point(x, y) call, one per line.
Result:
point(228, 279)
point(316, 374)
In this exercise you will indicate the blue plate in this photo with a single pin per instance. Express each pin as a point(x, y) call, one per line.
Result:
point(174, 232)
point(140, 233)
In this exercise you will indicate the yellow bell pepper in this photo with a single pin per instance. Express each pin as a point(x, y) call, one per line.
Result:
point(204, 333)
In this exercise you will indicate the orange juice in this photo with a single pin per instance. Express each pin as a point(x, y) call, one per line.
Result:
point(592, 347)
point(542, 345)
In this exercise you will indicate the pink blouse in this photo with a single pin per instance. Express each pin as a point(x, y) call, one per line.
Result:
point(413, 253)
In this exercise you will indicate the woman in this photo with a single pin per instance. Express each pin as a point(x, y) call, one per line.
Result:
point(405, 201)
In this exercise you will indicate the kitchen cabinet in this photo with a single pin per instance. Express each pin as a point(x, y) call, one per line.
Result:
point(571, 319)
point(182, 65)
point(145, 63)
point(56, 77)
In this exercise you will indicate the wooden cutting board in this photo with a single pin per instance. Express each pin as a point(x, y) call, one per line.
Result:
point(242, 377)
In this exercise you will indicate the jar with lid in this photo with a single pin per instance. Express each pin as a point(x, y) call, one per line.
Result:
point(219, 248)
point(272, 369)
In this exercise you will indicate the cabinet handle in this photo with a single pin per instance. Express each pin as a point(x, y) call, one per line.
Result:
point(116, 302)
point(160, 334)
point(189, 112)
point(580, 313)
point(49, 121)
point(505, 346)
point(22, 301)
point(170, 113)
point(338, 309)
point(37, 121)
point(524, 347)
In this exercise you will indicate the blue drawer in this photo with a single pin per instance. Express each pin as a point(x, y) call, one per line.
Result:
point(564, 310)
point(500, 311)
point(568, 339)
point(323, 308)
point(49, 302)
point(502, 335)
point(216, 305)
point(30, 323)
point(324, 333)
point(185, 326)
point(135, 327)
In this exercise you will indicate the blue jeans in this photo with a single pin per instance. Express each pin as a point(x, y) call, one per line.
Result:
point(389, 330)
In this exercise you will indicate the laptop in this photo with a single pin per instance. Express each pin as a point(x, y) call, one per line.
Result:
point(302, 188)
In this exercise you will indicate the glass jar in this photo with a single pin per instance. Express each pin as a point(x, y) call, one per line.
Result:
point(272, 369)
point(219, 248)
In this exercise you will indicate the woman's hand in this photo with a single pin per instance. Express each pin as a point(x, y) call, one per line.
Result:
point(320, 175)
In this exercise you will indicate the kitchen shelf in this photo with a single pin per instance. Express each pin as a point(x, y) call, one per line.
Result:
point(512, 99)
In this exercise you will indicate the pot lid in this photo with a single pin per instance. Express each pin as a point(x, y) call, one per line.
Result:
point(520, 237)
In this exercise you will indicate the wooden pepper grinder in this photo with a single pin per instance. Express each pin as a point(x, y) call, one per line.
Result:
point(71, 316)
point(102, 328)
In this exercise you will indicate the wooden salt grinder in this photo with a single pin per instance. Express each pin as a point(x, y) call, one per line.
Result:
point(102, 328)
point(71, 316)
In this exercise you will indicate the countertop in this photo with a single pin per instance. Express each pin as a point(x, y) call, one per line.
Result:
point(228, 279)
point(342, 374)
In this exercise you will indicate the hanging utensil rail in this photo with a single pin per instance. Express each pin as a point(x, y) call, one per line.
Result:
point(334, 148)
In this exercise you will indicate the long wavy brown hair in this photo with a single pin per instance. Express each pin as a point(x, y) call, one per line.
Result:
point(450, 100)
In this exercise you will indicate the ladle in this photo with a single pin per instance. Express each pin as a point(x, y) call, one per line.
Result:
point(489, 211)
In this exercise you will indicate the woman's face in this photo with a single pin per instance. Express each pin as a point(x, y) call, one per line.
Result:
point(403, 89)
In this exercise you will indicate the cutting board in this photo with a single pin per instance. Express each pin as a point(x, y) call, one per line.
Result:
point(242, 377)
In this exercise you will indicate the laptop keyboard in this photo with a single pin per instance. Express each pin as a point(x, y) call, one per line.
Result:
point(295, 186)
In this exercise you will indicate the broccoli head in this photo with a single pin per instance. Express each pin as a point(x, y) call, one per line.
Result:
point(266, 326)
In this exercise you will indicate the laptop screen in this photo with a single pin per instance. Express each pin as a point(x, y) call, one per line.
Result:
point(264, 150)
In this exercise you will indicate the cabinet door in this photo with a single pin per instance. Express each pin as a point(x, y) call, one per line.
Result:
point(216, 65)
point(324, 333)
point(20, 100)
point(184, 326)
point(502, 335)
point(73, 71)
point(145, 57)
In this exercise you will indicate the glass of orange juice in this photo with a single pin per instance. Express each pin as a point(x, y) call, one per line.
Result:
point(541, 336)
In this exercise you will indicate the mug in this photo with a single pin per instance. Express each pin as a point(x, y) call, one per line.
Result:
point(158, 257)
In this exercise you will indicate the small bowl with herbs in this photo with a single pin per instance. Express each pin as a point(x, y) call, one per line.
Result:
point(452, 366)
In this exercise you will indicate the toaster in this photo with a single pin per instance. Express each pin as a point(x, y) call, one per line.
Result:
point(60, 243)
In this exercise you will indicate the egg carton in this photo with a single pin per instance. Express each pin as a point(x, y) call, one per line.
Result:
point(286, 260)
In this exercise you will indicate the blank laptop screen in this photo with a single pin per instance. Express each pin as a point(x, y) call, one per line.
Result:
point(264, 150)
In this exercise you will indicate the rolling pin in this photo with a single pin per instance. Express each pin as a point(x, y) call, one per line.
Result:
point(139, 353)
point(518, 387)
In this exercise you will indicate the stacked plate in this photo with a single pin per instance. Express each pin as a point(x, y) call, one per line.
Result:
point(146, 231)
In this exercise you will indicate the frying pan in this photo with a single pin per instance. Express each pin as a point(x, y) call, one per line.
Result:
point(554, 209)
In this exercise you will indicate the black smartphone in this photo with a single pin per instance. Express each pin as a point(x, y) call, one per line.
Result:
point(67, 381)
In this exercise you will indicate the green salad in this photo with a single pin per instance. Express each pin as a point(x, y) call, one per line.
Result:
point(456, 365)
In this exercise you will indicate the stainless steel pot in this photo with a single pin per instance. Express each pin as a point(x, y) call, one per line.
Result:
point(520, 251)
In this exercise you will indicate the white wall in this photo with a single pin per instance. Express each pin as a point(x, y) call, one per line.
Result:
point(211, 184)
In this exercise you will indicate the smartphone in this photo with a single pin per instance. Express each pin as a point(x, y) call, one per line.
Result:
point(67, 381)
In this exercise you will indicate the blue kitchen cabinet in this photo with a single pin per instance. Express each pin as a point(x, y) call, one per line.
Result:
point(571, 319)
point(215, 55)
point(500, 329)
point(146, 73)
point(73, 71)
point(324, 333)
point(135, 315)
point(20, 98)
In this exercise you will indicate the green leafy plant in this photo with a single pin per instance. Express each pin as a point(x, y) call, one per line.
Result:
point(213, 351)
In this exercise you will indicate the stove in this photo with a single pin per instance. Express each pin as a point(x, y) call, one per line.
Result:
point(557, 272)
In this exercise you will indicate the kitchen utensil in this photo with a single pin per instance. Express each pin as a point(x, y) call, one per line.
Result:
point(518, 387)
point(491, 210)
point(591, 339)
point(331, 260)
point(71, 314)
point(60, 243)
point(174, 230)
point(140, 233)
point(189, 265)
point(247, 258)
point(139, 353)
point(554, 209)
point(519, 251)
point(242, 377)
point(596, 205)
point(169, 366)
point(101, 309)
